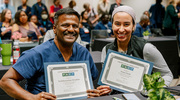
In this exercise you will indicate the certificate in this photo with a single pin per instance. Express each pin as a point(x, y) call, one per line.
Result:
point(123, 72)
point(68, 80)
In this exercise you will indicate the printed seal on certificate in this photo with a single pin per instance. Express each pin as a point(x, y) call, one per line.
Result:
point(123, 72)
point(68, 80)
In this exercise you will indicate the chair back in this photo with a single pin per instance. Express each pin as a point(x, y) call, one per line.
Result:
point(96, 34)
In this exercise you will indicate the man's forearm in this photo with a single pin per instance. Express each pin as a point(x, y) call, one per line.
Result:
point(13, 89)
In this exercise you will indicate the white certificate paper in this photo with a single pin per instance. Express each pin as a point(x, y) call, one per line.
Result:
point(124, 73)
point(68, 81)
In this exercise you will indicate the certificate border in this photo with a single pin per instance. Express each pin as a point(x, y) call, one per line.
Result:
point(108, 54)
point(72, 62)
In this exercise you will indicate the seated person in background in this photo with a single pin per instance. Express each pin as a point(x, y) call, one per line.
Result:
point(25, 8)
point(105, 24)
point(50, 35)
point(37, 8)
point(45, 23)
point(54, 8)
point(6, 24)
point(142, 28)
point(123, 24)
point(23, 26)
point(85, 29)
point(92, 14)
point(30, 65)
point(35, 20)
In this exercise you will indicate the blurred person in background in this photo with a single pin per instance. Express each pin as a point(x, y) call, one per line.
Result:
point(54, 8)
point(25, 8)
point(35, 20)
point(24, 27)
point(6, 24)
point(115, 5)
point(178, 24)
point(157, 12)
point(105, 24)
point(103, 7)
point(72, 4)
point(45, 23)
point(0, 17)
point(6, 5)
point(92, 15)
point(142, 26)
point(37, 8)
point(170, 20)
point(146, 13)
point(85, 29)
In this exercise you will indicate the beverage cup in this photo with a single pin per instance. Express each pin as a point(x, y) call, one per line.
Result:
point(6, 50)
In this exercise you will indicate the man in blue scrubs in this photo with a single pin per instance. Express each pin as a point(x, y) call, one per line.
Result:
point(62, 48)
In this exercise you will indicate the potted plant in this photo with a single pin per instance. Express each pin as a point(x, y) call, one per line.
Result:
point(154, 85)
point(146, 34)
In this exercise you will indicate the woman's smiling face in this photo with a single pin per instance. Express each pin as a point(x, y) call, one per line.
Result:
point(123, 26)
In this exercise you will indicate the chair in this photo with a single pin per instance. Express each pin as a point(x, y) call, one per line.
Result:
point(156, 31)
point(41, 40)
point(96, 34)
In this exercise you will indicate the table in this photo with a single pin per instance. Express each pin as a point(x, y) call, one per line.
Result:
point(138, 94)
point(167, 45)
point(110, 97)
point(26, 46)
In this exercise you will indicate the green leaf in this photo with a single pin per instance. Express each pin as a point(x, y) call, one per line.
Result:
point(156, 76)
point(152, 93)
point(146, 33)
point(154, 98)
point(148, 81)
point(170, 97)
point(160, 84)
point(160, 93)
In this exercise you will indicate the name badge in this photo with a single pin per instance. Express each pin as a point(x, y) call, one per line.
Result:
point(86, 30)
point(108, 30)
point(3, 29)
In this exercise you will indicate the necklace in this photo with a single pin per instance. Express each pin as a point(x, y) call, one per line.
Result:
point(121, 51)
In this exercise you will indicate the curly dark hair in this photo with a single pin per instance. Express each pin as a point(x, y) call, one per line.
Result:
point(17, 16)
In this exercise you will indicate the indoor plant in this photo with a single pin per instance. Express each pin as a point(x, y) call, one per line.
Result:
point(154, 85)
